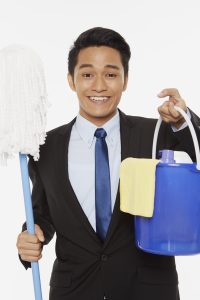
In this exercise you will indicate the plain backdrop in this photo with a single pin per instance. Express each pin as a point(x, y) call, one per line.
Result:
point(165, 42)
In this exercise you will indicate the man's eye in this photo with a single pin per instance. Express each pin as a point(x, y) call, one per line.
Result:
point(87, 75)
point(111, 75)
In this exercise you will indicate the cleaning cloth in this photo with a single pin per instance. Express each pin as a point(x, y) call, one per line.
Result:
point(137, 186)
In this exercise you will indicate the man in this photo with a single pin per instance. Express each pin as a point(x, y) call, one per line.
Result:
point(75, 182)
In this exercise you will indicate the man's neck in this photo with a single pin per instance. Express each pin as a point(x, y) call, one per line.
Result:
point(98, 121)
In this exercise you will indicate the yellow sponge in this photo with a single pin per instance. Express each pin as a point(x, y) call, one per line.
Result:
point(137, 186)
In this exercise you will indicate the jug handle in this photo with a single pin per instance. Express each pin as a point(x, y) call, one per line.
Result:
point(192, 131)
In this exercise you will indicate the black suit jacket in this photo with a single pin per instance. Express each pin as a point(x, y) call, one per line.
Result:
point(86, 268)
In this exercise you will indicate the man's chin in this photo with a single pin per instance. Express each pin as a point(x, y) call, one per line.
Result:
point(104, 115)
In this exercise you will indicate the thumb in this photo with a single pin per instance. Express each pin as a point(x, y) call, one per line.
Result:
point(161, 94)
point(39, 233)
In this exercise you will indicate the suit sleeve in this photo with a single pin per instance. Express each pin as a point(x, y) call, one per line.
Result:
point(40, 207)
point(184, 138)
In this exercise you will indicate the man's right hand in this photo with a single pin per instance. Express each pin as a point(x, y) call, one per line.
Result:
point(30, 246)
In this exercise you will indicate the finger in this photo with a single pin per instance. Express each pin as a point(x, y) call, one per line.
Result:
point(39, 233)
point(172, 92)
point(173, 112)
point(29, 246)
point(28, 238)
point(34, 253)
point(168, 119)
point(163, 109)
point(167, 108)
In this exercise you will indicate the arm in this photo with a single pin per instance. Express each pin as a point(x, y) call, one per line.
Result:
point(185, 139)
point(40, 206)
point(29, 246)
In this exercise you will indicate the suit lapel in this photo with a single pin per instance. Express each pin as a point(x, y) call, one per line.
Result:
point(128, 149)
point(62, 169)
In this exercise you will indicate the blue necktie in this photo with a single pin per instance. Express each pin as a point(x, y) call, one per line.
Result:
point(102, 184)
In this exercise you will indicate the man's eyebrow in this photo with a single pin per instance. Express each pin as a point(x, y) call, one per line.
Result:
point(91, 66)
point(85, 66)
point(113, 67)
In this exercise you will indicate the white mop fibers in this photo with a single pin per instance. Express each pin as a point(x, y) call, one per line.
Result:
point(23, 102)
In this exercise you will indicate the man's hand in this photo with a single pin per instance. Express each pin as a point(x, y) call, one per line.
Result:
point(29, 246)
point(167, 111)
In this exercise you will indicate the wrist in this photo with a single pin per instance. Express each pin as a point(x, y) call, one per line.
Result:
point(179, 123)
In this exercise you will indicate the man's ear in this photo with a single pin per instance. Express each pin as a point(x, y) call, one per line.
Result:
point(71, 82)
point(125, 82)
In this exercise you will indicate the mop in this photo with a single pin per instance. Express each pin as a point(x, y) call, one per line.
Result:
point(23, 107)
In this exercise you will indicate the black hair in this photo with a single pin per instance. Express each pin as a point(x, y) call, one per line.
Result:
point(99, 36)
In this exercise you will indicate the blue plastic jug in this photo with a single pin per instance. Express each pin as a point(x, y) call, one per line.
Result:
point(174, 228)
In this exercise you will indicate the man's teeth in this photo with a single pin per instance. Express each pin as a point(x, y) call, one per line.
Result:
point(98, 99)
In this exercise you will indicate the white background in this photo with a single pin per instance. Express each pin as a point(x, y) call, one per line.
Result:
point(165, 42)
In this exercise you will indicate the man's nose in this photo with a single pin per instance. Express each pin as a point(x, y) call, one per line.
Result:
point(99, 85)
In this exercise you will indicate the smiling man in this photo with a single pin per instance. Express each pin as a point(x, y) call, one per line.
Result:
point(99, 80)
point(75, 182)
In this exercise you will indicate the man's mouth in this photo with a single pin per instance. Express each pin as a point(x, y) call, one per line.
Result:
point(99, 98)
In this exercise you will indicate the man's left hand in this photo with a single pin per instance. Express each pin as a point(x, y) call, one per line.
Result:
point(167, 111)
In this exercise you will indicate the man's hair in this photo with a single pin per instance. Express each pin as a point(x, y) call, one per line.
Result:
point(99, 36)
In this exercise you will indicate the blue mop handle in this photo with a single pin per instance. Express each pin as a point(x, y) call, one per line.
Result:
point(30, 221)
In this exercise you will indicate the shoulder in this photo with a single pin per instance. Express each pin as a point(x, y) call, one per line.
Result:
point(55, 138)
point(60, 129)
point(138, 121)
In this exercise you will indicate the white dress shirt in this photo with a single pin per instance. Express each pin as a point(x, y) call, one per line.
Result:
point(81, 161)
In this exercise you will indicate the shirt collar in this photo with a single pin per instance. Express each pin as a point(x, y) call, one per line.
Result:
point(86, 129)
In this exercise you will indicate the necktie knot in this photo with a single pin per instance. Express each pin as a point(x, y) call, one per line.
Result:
point(100, 133)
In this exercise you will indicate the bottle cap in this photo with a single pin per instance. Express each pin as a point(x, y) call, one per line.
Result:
point(167, 156)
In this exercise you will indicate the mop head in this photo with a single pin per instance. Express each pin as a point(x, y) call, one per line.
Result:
point(23, 102)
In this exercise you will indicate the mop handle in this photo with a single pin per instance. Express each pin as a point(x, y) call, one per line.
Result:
point(30, 221)
point(192, 131)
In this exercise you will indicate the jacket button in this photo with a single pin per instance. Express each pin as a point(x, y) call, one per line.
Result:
point(104, 257)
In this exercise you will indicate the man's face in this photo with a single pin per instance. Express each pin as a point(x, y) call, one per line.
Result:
point(99, 81)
